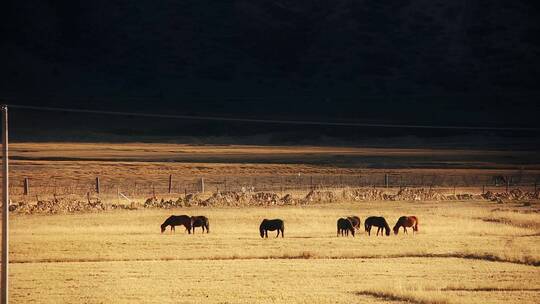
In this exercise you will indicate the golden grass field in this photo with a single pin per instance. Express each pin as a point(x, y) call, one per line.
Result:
point(465, 252)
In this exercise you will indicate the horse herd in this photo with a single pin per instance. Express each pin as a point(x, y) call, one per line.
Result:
point(345, 225)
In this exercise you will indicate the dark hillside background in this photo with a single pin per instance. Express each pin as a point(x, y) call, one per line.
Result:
point(422, 62)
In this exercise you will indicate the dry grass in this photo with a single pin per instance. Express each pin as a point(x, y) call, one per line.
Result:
point(133, 167)
point(465, 252)
point(120, 256)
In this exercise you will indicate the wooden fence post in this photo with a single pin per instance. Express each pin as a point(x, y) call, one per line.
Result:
point(26, 186)
point(202, 185)
point(170, 183)
point(97, 185)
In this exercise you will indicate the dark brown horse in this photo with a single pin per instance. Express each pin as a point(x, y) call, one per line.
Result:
point(200, 221)
point(379, 222)
point(177, 220)
point(355, 221)
point(344, 226)
point(406, 221)
point(275, 224)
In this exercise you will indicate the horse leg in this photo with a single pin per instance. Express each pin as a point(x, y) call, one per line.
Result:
point(283, 233)
point(405, 229)
point(266, 233)
point(277, 235)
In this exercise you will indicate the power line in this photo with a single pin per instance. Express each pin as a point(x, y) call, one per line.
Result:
point(273, 121)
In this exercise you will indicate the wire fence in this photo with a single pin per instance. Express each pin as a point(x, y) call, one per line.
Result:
point(174, 186)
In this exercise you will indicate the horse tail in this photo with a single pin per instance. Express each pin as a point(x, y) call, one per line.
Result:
point(207, 226)
point(415, 223)
point(366, 225)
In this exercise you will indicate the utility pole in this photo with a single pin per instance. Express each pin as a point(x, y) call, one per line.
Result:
point(5, 205)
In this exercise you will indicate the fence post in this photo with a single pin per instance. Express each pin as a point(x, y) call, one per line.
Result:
point(202, 185)
point(170, 183)
point(225, 184)
point(97, 185)
point(507, 184)
point(483, 189)
point(26, 186)
point(311, 182)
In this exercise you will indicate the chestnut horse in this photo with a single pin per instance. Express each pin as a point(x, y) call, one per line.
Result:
point(406, 221)
point(275, 224)
point(379, 222)
point(177, 220)
point(344, 225)
point(200, 221)
point(355, 221)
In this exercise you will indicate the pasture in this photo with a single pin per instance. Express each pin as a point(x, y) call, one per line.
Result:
point(465, 252)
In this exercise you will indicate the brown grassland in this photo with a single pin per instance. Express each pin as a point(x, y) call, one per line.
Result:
point(464, 253)
point(471, 251)
point(134, 167)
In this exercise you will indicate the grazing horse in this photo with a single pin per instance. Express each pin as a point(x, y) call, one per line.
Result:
point(379, 222)
point(275, 224)
point(200, 221)
point(406, 221)
point(355, 221)
point(177, 220)
point(344, 225)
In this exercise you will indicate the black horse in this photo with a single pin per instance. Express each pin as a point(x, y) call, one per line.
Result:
point(275, 224)
point(355, 221)
point(379, 222)
point(200, 221)
point(177, 220)
point(344, 225)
